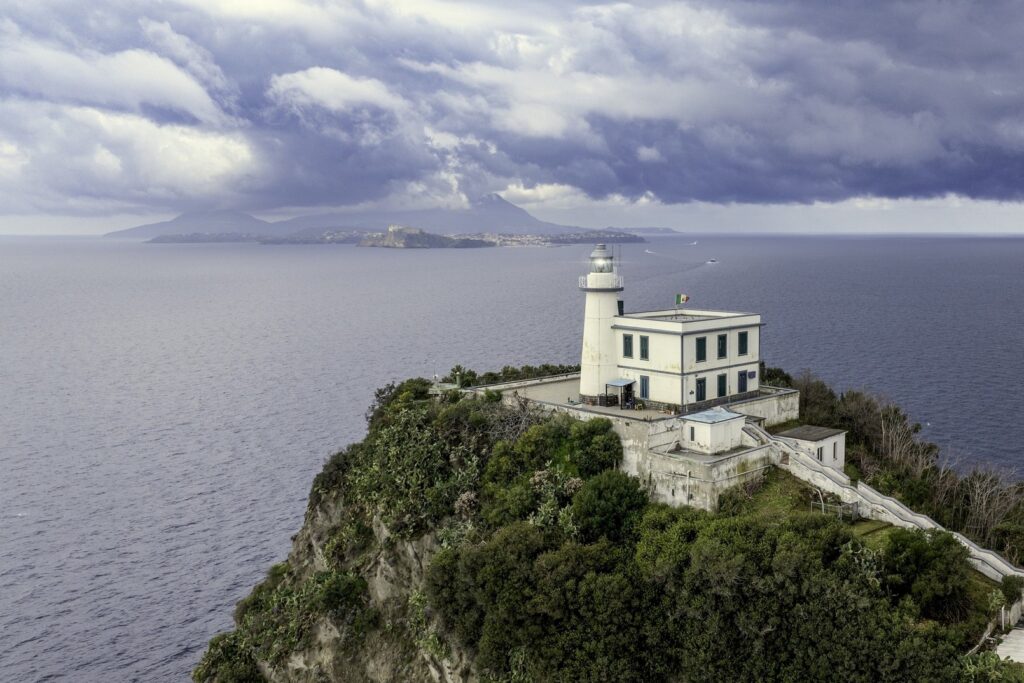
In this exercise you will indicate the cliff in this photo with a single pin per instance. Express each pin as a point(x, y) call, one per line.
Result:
point(468, 540)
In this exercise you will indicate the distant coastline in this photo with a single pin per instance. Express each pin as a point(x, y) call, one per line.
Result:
point(402, 237)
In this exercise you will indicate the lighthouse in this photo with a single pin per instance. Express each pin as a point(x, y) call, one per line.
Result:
point(599, 361)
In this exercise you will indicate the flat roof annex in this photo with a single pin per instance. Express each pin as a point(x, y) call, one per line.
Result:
point(684, 321)
point(683, 314)
point(713, 416)
point(810, 433)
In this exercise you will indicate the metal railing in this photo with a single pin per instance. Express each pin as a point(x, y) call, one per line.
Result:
point(616, 284)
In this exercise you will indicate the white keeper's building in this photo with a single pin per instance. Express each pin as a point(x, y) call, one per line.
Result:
point(681, 360)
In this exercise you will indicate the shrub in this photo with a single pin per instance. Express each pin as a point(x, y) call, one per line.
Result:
point(608, 506)
point(227, 660)
point(1011, 588)
point(594, 447)
point(931, 568)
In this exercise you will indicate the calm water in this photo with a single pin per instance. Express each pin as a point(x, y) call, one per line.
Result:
point(163, 409)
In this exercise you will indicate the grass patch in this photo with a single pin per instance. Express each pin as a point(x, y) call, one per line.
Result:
point(873, 532)
point(776, 495)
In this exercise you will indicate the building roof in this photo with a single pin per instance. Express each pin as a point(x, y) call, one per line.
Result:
point(810, 433)
point(683, 314)
point(712, 416)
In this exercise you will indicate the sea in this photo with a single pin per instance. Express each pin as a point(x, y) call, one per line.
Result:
point(164, 408)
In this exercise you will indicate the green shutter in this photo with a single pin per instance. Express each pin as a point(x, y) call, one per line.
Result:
point(702, 349)
point(627, 345)
point(722, 390)
point(743, 343)
point(645, 347)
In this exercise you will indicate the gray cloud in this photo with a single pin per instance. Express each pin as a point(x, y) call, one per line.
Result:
point(295, 103)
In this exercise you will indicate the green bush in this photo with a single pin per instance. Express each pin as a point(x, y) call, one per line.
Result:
point(608, 506)
point(931, 568)
point(594, 447)
point(1011, 588)
point(409, 474)
point(226, 660)
point(280, 617)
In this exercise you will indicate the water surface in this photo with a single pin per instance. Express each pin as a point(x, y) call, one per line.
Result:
point(164, 408)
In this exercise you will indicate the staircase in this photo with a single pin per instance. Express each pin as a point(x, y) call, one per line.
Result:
point(801, 463)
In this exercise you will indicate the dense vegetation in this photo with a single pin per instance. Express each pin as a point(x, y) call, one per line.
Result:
point(884, 449)
point(550, 564)
point(509, 373)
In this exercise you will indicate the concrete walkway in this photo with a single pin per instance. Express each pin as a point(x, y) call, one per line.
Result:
point(1013, 645)
point(567, 393)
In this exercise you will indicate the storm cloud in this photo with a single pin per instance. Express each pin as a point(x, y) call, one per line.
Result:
point(266, 104)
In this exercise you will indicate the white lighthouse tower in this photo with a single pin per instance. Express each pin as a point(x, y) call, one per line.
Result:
point(598, 364)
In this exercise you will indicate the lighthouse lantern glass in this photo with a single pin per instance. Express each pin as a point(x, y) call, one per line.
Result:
point(601, 260)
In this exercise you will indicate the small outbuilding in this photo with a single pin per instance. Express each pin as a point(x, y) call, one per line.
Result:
point(716, 430)
point(828, 445)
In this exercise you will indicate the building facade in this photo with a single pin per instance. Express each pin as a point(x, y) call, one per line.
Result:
point(677, 359)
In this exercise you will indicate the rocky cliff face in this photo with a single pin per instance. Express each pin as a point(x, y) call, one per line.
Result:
point(400, 641)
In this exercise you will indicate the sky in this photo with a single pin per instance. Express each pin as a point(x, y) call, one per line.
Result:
point(779, 116)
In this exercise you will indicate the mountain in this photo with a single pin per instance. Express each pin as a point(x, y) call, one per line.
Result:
point(488, 214)
point(202, 222)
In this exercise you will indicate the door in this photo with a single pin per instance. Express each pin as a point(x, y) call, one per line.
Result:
point(702, 389)
point(743, 382)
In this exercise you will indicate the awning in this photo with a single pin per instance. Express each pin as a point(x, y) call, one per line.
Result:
point(619, 382)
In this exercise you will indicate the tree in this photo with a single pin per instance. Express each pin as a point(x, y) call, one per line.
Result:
point(608, 506)
point(594, 447)
point(932, 568)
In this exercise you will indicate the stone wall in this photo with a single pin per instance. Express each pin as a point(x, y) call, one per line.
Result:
point(679, 480)
point(799, 462)
point(778, 406)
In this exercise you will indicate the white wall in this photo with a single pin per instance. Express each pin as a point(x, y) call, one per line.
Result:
point(669, 352)
point(599, 356)
point(833, 450)
point(712, 438)
point(662, 364)
point(778, 406)
point(710, 378)
point(733, 357)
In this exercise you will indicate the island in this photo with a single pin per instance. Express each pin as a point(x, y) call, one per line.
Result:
point(404, 237)
point(400, 237)
point(205, 238)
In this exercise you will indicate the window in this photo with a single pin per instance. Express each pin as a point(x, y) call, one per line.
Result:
point(723, 345)
point(835, 448)
point(702, 390)
point(702, 349)
point(743, 343)
point(622, 309)
point(645, 386)
point(722, 385)
point(645, 347)
point(627, 346)
point(821, 451)
point(692, 436)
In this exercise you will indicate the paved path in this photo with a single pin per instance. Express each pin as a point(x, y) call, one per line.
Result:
point(1013, 645)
